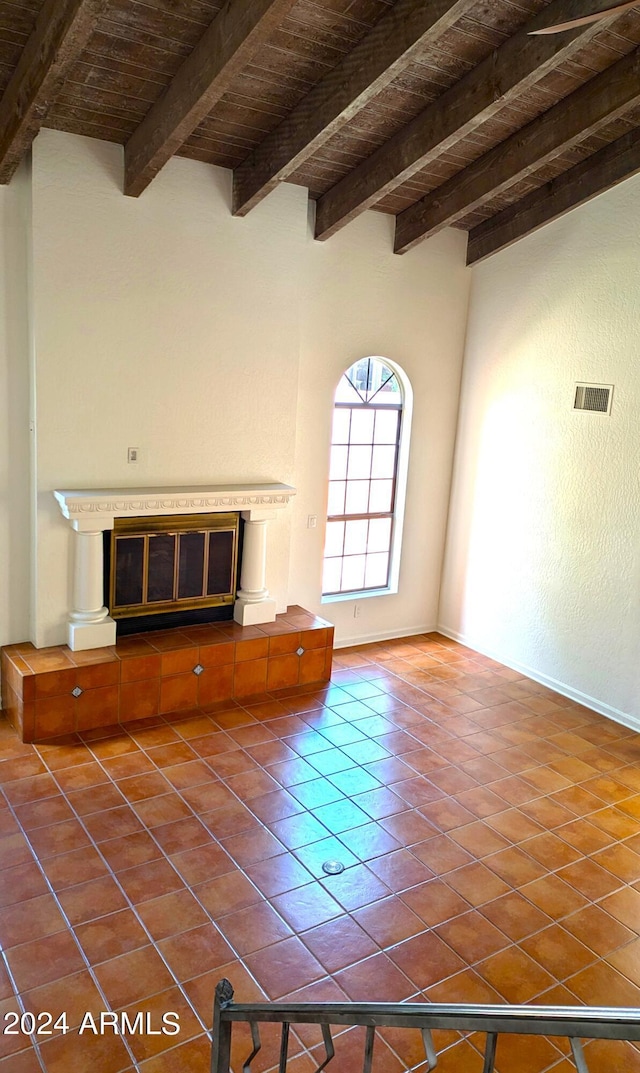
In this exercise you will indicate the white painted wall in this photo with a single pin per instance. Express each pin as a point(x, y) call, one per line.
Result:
point(542, 567)
point(161, 323)
point(15, 552)
point(214, 345)
point(362, 300)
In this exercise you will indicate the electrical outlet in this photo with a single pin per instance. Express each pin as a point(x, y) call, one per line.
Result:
point(312, 521)
point(356, 610)
point(133, 455)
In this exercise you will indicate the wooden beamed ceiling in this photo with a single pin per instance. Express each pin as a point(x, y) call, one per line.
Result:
point(344, 91)
point(225, 48)
point(59, 35)
point(440, 112)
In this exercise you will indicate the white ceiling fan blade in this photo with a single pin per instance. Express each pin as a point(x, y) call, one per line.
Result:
point(586, 19)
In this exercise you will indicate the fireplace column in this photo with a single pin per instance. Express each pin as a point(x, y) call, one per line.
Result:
point(92, 511)
point(89, 623)
point(253, 603)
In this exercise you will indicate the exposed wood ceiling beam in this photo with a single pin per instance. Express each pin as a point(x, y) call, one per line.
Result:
point(514, 66)
point(230, 42)
point(359, 77)
point(606, 168)
point(62, 29)
point(602, 100)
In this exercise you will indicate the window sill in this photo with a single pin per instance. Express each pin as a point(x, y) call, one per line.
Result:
point(342, 597)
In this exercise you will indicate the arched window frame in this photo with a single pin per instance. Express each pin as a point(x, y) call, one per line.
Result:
point(401, 473)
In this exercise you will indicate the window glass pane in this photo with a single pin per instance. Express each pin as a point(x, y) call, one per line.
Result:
point(386, 389)
point(355, 537)
point(376, 571)
point(362, 426)
point(346, 392)
point(380, 497)
point(336, 497)
point(379, 534)
point(359, 375)
point(331, 575)
point(373, 379)
point(359, 465)
point(353, 572)
point(334, 538)
point(384, 461)
point(386, 429)
point(357, 498)
point(341, 420)
point(338, 470)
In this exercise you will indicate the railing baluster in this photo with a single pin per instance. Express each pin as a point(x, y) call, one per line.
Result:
point(578, 1055)
point(368, 1049)
point(221, 1049)
point(429, 1049)
point(257, 1044)
point(221, 1044)
point(328, 1046)
point(490, 1052)
point(284, 1048)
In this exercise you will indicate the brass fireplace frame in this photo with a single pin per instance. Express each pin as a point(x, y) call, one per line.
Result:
point(175, 525)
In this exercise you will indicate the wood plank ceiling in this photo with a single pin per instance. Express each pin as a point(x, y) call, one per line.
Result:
point(440, 112)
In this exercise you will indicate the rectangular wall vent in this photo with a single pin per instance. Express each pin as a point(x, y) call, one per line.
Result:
point(594, 397)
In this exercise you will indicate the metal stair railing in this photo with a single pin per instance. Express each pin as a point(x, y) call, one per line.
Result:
point(573, 1022)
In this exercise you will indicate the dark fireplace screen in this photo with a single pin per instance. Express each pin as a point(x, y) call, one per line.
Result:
point(182, 563)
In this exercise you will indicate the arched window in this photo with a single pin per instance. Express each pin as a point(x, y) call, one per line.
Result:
point(369, 454)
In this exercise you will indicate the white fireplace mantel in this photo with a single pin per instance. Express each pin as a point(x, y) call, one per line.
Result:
point(84, 507)
point(92, 511)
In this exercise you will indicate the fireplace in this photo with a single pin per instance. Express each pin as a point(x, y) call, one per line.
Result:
point(171, 571)
point(118, 512)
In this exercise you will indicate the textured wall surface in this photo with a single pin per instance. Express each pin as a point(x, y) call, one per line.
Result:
point(163, 324)
point(543, 550)
point(361, 300)
point(14, 407)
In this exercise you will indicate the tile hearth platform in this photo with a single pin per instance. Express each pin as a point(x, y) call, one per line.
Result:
point(52, 691)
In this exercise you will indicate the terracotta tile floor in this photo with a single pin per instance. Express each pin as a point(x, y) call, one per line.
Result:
point(490, 832)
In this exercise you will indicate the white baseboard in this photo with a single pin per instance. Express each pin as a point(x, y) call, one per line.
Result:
point(385, 635)
point(596, 705)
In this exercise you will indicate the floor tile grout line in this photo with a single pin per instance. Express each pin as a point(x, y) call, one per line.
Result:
point(20, 1003)
point(113, 874)
point(383, 950)
point(147, 828)
point(193, 891)
point(132, 905)
point(621, 762)
point(70, 928)
point(160, 769)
